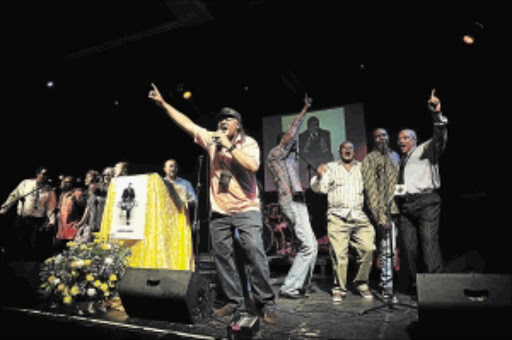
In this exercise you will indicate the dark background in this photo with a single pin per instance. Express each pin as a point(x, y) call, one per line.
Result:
point(258, 57)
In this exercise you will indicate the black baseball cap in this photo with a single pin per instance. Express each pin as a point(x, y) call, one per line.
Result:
point(228, 112)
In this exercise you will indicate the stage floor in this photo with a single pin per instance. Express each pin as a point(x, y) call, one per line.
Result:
point(316, 317)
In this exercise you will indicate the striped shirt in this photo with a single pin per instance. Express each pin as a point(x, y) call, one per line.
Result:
point(242, 194)
point(344, 188)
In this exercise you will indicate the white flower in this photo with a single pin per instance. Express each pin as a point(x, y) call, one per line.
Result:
point(80, 263)
point(59, 258)
point(56, 281)
point(91, 291)
point(109, 260)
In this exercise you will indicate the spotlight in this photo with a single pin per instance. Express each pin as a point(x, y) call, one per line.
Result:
point(473, 34)
point(187, 95)
point(50, 84)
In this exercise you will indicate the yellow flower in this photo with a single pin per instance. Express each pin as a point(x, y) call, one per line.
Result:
point(121, 242)
point(89, 277)
point(112, 277)
point(51, 279)
point(83, 246)
point(87, 262)
point(106, 247)
point(97, 240)
point(74, 273)
point(71, 244)
point(60, 287)
point(97, 283)
point(104, 287)
point(75, 290)
point(67, 300)
point(106, 293)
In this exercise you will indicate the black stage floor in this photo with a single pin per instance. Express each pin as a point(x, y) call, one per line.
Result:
point(316, 317)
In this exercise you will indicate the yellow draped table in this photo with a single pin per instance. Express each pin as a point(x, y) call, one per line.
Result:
point(167, 240)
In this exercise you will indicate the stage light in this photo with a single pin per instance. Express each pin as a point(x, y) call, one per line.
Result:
point(50, 84)
point(473, 33)
point(116, 102)
point(187, 95)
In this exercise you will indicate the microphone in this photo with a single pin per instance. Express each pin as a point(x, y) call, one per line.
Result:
point(384, 149)
point(223, 129)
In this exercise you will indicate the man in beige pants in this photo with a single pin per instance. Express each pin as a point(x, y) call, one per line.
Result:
point(342, 181)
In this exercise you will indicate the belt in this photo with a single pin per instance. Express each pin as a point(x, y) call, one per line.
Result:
point(298, 196)
point(413, 197)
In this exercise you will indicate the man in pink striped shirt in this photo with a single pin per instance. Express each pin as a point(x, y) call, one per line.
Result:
point(235, 206)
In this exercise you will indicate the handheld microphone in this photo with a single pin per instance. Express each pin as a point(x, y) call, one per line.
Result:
point(224, 129)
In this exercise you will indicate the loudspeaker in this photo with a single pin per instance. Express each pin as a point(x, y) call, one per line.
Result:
point(171, 295)
point(466, 305)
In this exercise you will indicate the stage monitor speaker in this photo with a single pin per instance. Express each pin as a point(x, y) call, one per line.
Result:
point(466, 305)
point(162, 294)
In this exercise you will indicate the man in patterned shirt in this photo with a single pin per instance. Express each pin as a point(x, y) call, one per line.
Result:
point(380, 170)
point(281, 163)
point(347, 223)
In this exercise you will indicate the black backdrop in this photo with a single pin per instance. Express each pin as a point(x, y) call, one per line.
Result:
point(258, 57)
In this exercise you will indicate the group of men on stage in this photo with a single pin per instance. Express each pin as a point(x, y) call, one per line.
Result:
point(48, 217)
point(383, 181)
point(397, 191)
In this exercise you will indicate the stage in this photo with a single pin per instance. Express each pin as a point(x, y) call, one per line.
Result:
point(316, 317)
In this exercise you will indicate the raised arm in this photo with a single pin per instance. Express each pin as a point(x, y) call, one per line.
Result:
point(440, 138)
point(294, 128)
point(179, 118)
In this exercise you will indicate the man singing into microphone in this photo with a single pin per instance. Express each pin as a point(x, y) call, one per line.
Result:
point(235, 205)
point(380, 170)
point(36, 203)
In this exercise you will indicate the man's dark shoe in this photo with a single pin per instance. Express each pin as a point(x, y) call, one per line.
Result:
point(270, 315)
point(223, 311)
point(291, 296)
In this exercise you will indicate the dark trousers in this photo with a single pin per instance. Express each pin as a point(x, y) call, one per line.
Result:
point(419, 221)
point(222, 233)
point(33, 243)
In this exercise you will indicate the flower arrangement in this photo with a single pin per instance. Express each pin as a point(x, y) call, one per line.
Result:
point(85, 274)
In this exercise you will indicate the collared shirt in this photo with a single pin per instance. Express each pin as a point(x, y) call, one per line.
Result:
point(344, 188)
point(282, 166)
point(380, 177)
point(39, 203)
point(421, 171)
point(242, 193)
point(187, 188)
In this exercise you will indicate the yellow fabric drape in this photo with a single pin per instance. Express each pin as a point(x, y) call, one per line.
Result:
point(167, 242)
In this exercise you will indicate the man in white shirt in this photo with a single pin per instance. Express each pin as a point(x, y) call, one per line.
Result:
point(347, 223)
point(36, 202)
point(418, 181)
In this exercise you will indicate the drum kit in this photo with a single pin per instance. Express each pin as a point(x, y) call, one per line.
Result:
point(278, 235)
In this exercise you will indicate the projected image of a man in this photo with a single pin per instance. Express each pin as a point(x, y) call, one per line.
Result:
point(314, 146)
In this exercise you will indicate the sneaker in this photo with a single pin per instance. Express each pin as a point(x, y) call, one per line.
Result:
point(337, 296)
point(225, 310)
point(270, 315)
point(364, 291)
point(291, 295)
